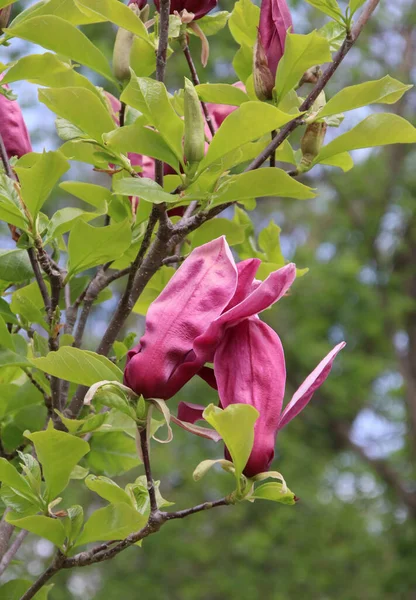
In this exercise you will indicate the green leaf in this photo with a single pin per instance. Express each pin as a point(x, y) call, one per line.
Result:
point(329, 7)
point(64, 220)
point(301, 53)
point(141, 140)
point(379, 129)
point(107, 489)
point(12, 478)
point(248, 123)
point(151, 98)
point(144, 188)
point(15, 266)
point(335, 34)
point(244, 21)
point(47, 70)
point(138, 492)
point(93, 194)
point(142, 57)
point(58, 452)
point(155, 286)
point(112, 453)
point(214, 228)
point(54, 33)
point(38, 180)
point(114, 522)
point(343, 161)
point(221, 93)
point(6, 339)
point(10, 206)
point(385, 91)
point(81, 107)
point(90, 246)
point(5, 311)
point(269, 242)
point(115, 12)
point(66, 9)
point(45, 527)
point(212, 24)
point(78, 366)
point(73, 523)
point(12, 359)
point(354, 5)
point(235, 425)
point(273, 491)
point(28, 303)
point(260, 183)
point(15, 589)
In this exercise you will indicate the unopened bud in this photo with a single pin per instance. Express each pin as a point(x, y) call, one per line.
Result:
point(262, 76)
point(5, 17)
point(194, 141)
point(311, 144)
point(122, 49)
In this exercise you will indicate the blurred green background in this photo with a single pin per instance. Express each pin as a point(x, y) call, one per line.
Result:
point(350, 457)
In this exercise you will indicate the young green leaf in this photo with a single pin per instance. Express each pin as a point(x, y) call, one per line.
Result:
point(301, 53)
point(107, 489)
point(54, 33)
point(329, 7)
point(38, 179)
point(58, 452)
point(151, 98)
point(144, 188)
point(15, 266)
point(78, 366)
point(235, 425)
point(45, 527)
point(379, 129)
point(90, 246)
point(115, 12)
point(259, 183)
point(244, 21)
point(114, 522)
point(274, 491)
point(384, 91)
point(221, 93)
point(248, 123)
point(113, 453)
point(81, 107)
point(11, 209)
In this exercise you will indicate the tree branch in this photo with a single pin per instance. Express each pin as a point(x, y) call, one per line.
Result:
point(44, 578)
point(147, 469)
point(9, 555)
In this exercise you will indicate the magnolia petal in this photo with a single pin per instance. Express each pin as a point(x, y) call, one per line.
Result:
point(188, 414)
point(250, 369)
point(194, 297)
point(275, 20)
point(263, 296)
point(208, 375)
point(247, 270)
point(305, 392)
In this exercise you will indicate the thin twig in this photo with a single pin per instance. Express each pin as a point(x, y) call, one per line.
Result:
point(44, 578)
point(181, 514)
point(9, 555)
point(196, 81)
point(144, 445)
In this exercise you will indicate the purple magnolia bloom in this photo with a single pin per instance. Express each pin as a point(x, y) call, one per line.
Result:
point(208, 295)
point(275, 20)
point(249, 368)
point(13, 129)
point(198, 7)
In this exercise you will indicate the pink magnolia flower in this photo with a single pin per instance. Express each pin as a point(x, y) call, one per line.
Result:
point(187, 323)
point(199, 8)
point(249, 367)
point(13, 129)
point(275, 20)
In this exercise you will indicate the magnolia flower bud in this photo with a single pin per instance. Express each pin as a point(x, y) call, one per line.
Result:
point(275, 21)
point(194, 140)
point(13, 128)
point(5, 17)
point(262, 76)
point(311, 144)
point(122, 49)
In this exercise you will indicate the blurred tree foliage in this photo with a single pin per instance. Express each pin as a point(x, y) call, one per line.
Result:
point(351, 456)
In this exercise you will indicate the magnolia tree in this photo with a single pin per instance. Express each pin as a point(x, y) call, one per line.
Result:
point(175, 162)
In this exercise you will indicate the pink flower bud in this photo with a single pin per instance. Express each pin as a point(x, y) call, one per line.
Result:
point(275, 20)
point(197, 7)
point(13, 129)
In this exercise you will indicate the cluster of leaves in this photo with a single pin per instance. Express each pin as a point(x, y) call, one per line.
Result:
point(154, 126)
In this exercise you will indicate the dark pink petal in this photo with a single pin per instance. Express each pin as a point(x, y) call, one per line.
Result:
point(189, 412)
point(303, 395)
point(264, 295)
point(199, 7)
point(275, 20)
point(250, 369)
point(13, 128)
point(195, 296)
point(208, 375)
point(247, 270)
